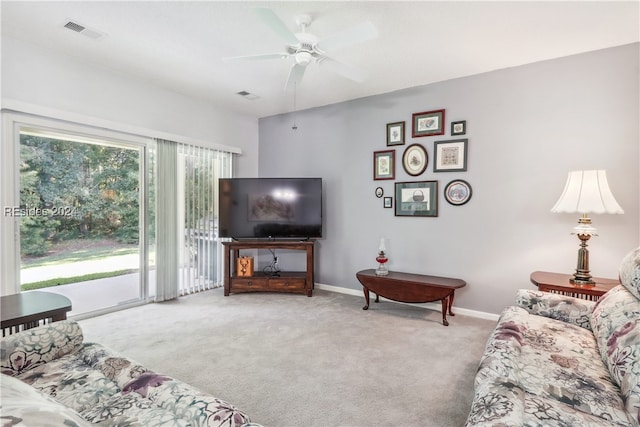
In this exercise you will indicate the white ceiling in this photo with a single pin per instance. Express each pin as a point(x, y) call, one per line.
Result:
point(180, 45)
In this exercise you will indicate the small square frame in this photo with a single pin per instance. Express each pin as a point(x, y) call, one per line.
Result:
point(450, 156)
point(395, 133)
point(417, 198)
point(459, 128)
point(384, 164)
point(388, 202)
point(428, 123)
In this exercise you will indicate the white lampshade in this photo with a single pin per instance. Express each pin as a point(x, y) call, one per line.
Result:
point(587, 192)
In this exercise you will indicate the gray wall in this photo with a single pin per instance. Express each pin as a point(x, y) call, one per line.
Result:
point(527, 127)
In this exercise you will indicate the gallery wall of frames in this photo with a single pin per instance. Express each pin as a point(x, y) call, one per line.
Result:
point(419, 197)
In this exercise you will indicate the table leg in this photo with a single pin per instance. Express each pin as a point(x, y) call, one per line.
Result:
point(366, 298)
point(377, 298)
point(444, 311)
point(451, 303)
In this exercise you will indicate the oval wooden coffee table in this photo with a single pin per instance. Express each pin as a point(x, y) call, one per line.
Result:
point(413, 288)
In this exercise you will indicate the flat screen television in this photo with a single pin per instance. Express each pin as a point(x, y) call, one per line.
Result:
point(276, 208)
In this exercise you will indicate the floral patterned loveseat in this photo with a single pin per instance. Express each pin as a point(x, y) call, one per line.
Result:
point(554, 360)
point(51, 377)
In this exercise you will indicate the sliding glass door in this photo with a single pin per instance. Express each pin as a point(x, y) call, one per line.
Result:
point(81, 214)
point(83, 210)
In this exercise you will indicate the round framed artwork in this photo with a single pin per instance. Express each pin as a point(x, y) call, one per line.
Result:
point(379, 192)
point(457, 192)
point(415, 159)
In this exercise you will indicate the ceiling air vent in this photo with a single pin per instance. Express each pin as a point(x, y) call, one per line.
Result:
point(79, 28)
point(247, 95)
point(74, 27)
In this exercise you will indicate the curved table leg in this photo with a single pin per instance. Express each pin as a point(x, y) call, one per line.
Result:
point(366, 298)
point(451, 303)
point(445, 302)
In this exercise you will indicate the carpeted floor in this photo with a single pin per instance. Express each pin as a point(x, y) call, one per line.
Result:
point(289, 360)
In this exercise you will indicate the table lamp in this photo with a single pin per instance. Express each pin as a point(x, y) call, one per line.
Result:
point(586, 192)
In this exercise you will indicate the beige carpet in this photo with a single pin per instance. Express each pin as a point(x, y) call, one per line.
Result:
point(290, 360)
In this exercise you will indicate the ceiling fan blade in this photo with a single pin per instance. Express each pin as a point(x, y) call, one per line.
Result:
point(257, 57)
point(349, 71)
point(358, 34)
point(295, 76)
point(271, 19)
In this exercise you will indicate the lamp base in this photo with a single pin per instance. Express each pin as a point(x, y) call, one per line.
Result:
point(582, 280)
point(584, 231)
point(382, 270)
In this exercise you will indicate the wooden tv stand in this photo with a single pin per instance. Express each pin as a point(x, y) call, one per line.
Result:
point(300, 282)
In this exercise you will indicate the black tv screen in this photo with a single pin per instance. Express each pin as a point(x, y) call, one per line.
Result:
point(270, 208)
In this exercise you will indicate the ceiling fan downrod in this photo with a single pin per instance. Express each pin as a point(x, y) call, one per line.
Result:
point(294, 127)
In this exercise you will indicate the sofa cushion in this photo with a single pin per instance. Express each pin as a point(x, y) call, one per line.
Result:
point(131, 408)
point(545, 371)
point(555, 306)
point(616, 325)
point(34, 347)
point(501, 403)
point(24, 406)
point(105, 387)
point(629, 272)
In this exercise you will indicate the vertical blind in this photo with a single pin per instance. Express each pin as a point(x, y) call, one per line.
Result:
point(200, 257)
point(166, 223)
point(189, 255)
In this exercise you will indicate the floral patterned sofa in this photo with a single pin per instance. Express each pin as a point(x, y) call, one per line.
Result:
point(51, 377)
point(554, 360)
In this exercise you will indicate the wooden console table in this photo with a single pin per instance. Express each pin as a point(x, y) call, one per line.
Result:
point(300, 282)
point(414, 288)
point(27, 310)
point(559, 283)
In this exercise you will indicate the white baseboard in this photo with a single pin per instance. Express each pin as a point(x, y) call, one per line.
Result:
point(430, 305)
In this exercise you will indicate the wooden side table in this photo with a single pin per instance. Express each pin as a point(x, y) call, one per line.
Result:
point(559, 283)
point(27, 310)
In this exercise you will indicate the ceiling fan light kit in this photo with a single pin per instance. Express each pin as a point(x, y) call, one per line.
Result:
point(306, 48)
point(303, 58)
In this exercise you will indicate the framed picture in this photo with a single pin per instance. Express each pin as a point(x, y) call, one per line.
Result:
point(419, 198)
point(459, 128)
point(457, 192)
point(388, 202)
point(384, 164)
point(450, 156)
point(395, 133)
point(415, 159)
point(428, 123)
point(379, 192)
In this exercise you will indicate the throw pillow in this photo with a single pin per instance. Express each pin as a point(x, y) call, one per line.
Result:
point(25, 350)
point(24, 406)
point(630, 272)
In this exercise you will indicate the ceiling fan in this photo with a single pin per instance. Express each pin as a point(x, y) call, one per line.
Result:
point(305, 47)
